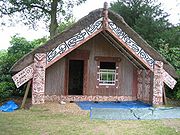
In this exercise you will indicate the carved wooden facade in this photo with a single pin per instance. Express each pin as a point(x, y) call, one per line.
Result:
point(138, 76)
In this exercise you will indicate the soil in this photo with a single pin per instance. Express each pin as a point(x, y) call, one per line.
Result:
point(53, 107)
point(68, 108)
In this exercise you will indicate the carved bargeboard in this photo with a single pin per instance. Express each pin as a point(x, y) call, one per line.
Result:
point(23, 76)
point(130, 43)
point(168, 80)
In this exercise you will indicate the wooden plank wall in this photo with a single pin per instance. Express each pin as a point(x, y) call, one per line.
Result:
point(55, 75)
point(97, 46)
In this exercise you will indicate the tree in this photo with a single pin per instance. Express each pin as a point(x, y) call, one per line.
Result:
point(52, 12)
point(145, 17)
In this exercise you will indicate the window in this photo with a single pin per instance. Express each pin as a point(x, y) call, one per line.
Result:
point(107, 73)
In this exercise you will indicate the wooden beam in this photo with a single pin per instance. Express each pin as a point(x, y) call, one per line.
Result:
point(164, 95)
point(26, 94)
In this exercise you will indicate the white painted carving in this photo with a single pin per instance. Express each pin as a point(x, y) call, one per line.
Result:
point(74, 40)
point(168, 80)
point(23, 76)
point(131, 44)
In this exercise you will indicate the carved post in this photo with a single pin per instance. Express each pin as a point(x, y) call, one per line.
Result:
point(38, 85)
point(105, 16)
point(158, 83)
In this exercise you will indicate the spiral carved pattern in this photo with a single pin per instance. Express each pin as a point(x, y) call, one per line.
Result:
point(131, 44)
point(74, 40)
point(23, 76)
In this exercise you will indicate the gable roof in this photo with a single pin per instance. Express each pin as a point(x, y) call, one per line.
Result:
point(84, 23)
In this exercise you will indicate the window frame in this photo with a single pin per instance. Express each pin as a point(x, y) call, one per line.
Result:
point(116, 60)
point(107, 72)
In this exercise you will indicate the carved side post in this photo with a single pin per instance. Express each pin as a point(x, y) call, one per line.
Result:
point(158, 83)
point(38, 85)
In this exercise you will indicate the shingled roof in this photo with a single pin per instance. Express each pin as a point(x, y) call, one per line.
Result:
point(83, 23)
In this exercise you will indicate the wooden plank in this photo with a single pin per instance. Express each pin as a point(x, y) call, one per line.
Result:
point(26, 94)
point(164, 95)
point(98, 46)
point(55, 77)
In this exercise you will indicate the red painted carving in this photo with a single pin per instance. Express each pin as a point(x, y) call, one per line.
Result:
point(158, 83)
point(88, 98)
point(38, 85)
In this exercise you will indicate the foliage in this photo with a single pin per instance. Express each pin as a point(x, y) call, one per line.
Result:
point(19, 47)
point(145, 17)
point(6, 89)
point(173, 56)
point(30, 12)
point(65, 25)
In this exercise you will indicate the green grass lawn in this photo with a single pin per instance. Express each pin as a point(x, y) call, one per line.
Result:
point(42, 121)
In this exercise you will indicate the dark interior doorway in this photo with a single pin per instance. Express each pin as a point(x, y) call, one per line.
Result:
point(75, 83)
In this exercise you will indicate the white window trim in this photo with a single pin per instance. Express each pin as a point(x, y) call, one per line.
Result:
point(107, 82)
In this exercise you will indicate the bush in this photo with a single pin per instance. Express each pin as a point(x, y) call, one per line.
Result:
point(6, 90)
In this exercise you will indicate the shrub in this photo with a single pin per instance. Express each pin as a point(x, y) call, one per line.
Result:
point(6, 90)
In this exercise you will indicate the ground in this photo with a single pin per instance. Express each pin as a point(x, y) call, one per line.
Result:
point(56, 119)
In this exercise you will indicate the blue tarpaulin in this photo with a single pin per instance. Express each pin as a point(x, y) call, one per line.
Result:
point(87, 105)
point(9, 106)
point(135, 113)
point(127, 110)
